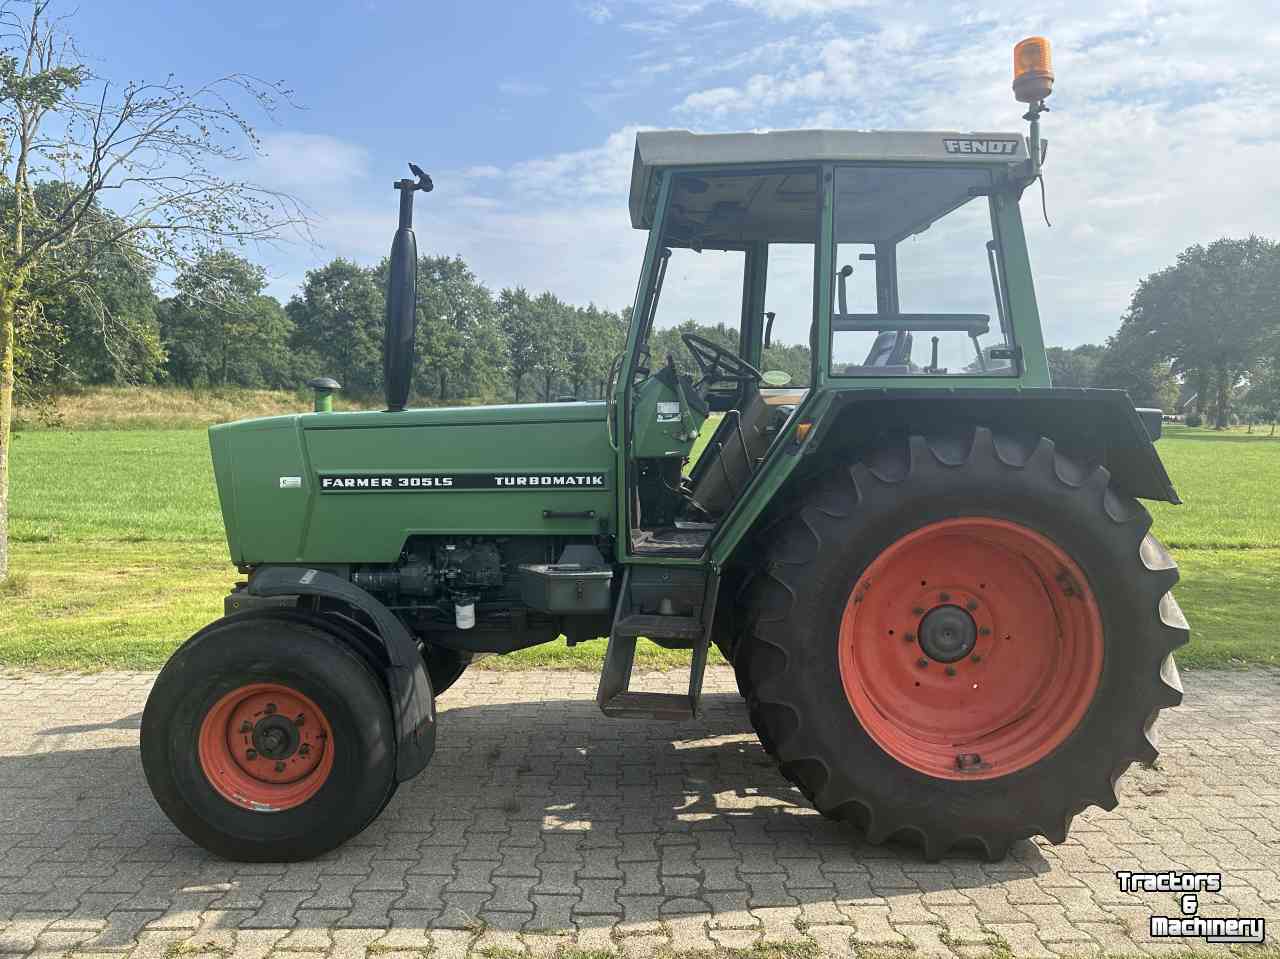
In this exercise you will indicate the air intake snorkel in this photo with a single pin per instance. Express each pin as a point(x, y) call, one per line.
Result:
point(402, 297)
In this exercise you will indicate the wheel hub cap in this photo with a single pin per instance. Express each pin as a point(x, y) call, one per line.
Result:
point(275, 738)
point(948, 634)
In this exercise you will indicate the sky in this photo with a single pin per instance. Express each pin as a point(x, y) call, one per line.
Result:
point(1164, 130)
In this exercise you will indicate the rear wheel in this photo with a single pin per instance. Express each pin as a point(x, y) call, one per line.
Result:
point(963, 641)
point(268, 739)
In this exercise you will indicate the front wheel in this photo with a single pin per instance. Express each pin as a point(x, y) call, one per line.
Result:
point(268, 739)
point(963, 641)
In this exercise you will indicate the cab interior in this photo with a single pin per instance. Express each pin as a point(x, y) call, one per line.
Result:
point(677, 498)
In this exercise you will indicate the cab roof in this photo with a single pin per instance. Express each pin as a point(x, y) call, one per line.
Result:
point(660, 149)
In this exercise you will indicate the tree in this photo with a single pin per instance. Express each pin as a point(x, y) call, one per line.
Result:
point(518, 322)
point(1074, 367)
point(155, 146)
point(220, 329)
point(1210, 313)
point(98, 326)
point(1262, 401)
point(338, 321)
point(551, 359)
point(593, 338)
point(1125, 364)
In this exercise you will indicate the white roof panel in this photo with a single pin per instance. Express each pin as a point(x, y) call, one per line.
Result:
point(680, 148)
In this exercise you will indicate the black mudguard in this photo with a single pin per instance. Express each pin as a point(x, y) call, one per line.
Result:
point(1099, 426)
point(412, 700)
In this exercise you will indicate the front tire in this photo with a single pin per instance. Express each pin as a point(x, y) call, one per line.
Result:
point(962, 641)
point(268, 739)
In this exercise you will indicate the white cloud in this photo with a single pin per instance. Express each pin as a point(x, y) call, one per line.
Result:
point(790, 9)
point(558, 222)
point(1163, 134)
point(295, 162)
point(1160, 134)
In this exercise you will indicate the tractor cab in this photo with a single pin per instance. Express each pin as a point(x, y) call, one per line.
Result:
point(853, 259)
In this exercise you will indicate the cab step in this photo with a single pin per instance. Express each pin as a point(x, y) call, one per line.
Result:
point(653, 626)
point(614, 696)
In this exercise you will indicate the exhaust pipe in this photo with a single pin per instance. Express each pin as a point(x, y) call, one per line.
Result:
point(402, 297)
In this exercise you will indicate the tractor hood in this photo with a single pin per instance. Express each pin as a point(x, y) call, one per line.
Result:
point(340, 488)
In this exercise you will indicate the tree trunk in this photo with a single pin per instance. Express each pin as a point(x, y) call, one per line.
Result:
point(1202, 394)
point(8, 307)
point(546, 393)
point(515, 384)
point(1223, 400)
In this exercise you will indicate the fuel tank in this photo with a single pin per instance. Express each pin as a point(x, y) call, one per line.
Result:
point(352, 487)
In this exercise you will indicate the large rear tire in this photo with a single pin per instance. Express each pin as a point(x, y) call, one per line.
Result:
point(962, 641)
point(268, 739)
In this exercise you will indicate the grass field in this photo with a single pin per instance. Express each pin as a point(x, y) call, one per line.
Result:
point(118, 552)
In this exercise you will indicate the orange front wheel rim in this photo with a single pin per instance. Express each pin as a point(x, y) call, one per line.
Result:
point(266, 747)
point(971, 648)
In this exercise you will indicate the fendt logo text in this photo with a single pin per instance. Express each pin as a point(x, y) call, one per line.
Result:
point(980, 146)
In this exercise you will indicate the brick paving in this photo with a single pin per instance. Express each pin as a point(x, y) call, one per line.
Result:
point(542, 826)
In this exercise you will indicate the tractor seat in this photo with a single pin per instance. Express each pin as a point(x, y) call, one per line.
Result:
point(889, 350)
point(732, 456)
point(888, 356)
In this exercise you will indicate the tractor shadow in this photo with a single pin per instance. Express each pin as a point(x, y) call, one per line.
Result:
point(518, 793)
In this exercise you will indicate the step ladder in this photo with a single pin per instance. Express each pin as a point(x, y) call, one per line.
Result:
point(614, 697)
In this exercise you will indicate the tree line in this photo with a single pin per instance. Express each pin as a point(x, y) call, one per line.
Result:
point(220, 328)
point(1200, 337)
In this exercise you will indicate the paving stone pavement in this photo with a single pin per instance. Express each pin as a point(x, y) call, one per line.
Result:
point(541, 826)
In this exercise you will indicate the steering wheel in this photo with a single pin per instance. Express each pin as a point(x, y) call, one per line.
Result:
point(718, 364)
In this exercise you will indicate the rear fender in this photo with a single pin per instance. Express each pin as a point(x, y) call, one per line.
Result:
point(412, 700)
point(1097, 426)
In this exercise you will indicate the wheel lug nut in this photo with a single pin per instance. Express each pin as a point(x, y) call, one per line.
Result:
point(950, 670)
point(971, 605)
point(251, 754)
point(922, 662)
point(908, 637)
point(270, 708)
point(944, 597)
point(246, 727)
point(919, 610)
point(976, 658)
point(984, 631)
point(279, 767)
point(304, 749)
point(301, 720)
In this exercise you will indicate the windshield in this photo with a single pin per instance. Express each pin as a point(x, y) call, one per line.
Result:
point(919, 283)
point(736, 266)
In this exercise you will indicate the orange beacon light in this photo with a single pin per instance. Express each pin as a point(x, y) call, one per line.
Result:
point(1032, 70)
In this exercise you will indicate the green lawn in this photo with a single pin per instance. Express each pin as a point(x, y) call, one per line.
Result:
point(118, 552)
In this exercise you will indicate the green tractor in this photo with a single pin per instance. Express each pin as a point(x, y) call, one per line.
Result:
point(929, 569)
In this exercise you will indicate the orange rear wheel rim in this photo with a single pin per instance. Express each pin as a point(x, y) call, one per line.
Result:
point(266, 747)
point(971, 648)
